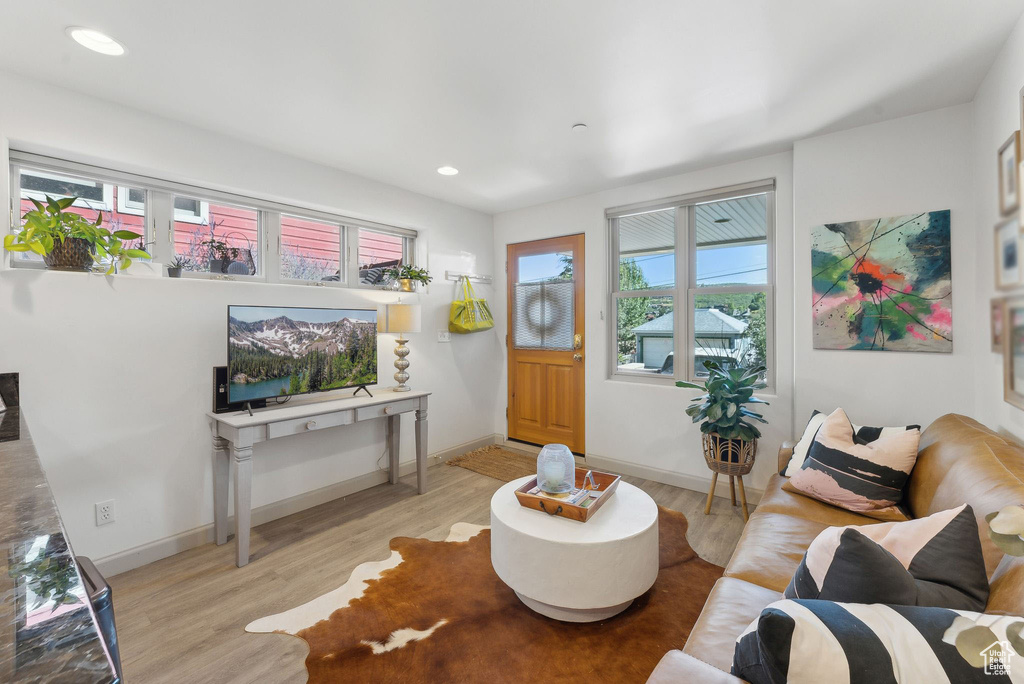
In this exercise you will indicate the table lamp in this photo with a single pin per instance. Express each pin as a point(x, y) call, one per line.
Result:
point(400, 319)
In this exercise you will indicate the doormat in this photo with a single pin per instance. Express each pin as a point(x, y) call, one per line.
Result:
point(497, 462)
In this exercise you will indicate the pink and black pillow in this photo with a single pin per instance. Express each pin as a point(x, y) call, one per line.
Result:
point(864, 478)
point(862, 434)
point(932, 561)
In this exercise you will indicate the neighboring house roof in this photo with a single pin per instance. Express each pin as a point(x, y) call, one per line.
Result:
point(707, 323)
point(661, 324)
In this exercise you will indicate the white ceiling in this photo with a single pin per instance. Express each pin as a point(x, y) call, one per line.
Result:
point(392, 90)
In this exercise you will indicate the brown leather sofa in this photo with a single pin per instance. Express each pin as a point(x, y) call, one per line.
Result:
point(960, 461)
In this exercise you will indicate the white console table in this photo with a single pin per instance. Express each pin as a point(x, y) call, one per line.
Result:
point(238, 431)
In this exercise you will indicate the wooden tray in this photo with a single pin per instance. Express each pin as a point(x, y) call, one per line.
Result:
point(606, 484)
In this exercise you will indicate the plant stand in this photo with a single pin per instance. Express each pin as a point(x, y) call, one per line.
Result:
point(732, 457)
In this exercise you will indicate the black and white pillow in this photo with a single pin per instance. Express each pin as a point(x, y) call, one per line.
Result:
point(809, 642)
point(861, 433)
point(932, 561)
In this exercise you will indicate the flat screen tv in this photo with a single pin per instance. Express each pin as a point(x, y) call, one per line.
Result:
point(276, 351)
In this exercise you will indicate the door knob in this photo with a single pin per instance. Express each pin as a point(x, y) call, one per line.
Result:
point(577, 341)
point(577, 357)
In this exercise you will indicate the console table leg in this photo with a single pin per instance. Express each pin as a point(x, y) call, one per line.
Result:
point(421, 450)
point(243, 502)
point(221, 475)
point(394, 443)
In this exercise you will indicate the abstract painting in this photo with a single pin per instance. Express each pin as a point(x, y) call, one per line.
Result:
point(883, 284)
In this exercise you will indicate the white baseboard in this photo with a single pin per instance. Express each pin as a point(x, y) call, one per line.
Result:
point(145, 554)
point(697, 483)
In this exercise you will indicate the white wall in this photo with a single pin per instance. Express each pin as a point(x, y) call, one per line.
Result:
point(638, 424)
point(904, 166)
point(996, 116)
point(116, 372)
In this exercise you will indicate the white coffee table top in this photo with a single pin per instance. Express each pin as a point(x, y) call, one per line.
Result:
point(576, 571)
point(629, 512)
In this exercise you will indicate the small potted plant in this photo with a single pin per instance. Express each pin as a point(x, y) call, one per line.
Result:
point(221, 254)
point(176, 266)
point(70, 242)
point(407, 274)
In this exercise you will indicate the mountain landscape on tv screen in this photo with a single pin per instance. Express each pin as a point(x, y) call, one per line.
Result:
point(282, 356)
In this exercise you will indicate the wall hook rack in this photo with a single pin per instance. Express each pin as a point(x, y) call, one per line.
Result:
point(475, 277)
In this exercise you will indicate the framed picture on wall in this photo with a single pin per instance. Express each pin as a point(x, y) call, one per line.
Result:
point(997, 313)
point(1009, 161)
point(1020, 100)
point(1013, 352)
point(1007, 247)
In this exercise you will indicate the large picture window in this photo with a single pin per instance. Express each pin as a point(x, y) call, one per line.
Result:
point(691, 282)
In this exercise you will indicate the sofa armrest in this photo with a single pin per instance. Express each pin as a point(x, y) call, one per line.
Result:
point(676, 667)
point(785, 453)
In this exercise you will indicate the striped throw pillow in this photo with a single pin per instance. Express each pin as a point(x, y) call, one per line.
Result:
point(861, 433)
point(932, 561)
point(864, 478)
point(810, 642)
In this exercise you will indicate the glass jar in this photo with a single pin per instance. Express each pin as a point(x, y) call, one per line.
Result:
point(556, 469)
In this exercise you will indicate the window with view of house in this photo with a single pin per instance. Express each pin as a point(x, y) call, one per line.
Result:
point(96, 197)
point(691, 283)
point(310, 249)
point(225, 239)
point(376, 253)
point(213, 234)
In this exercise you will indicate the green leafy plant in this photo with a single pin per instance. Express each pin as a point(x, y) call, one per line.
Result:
point(221, 249)
point(723, 406)
point(409, 272)
point(48, 225)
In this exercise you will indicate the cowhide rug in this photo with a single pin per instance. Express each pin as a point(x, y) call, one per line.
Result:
point(436, 612)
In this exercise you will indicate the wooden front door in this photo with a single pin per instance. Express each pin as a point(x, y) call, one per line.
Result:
point(546, 342)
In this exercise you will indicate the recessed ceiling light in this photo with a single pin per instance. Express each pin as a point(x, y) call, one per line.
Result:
point(447, 170)
point(580, 127)
point(96, 41)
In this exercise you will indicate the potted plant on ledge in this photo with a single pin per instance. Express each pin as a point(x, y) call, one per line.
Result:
point(177, 265)
point(70, 242)
point(221, 254)
point(406, 275)
point(728, 436)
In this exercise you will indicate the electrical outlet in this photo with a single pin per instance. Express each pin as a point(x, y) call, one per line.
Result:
point(106, 513)
point(444, 336)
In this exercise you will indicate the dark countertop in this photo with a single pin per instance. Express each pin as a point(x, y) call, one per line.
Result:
point(48, 631)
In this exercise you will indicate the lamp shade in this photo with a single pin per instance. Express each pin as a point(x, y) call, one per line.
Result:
point(398, 318)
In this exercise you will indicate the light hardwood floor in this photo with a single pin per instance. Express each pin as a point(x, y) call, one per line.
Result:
point(182, 619)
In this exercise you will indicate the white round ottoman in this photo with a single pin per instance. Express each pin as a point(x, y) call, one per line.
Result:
point(573, 571)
